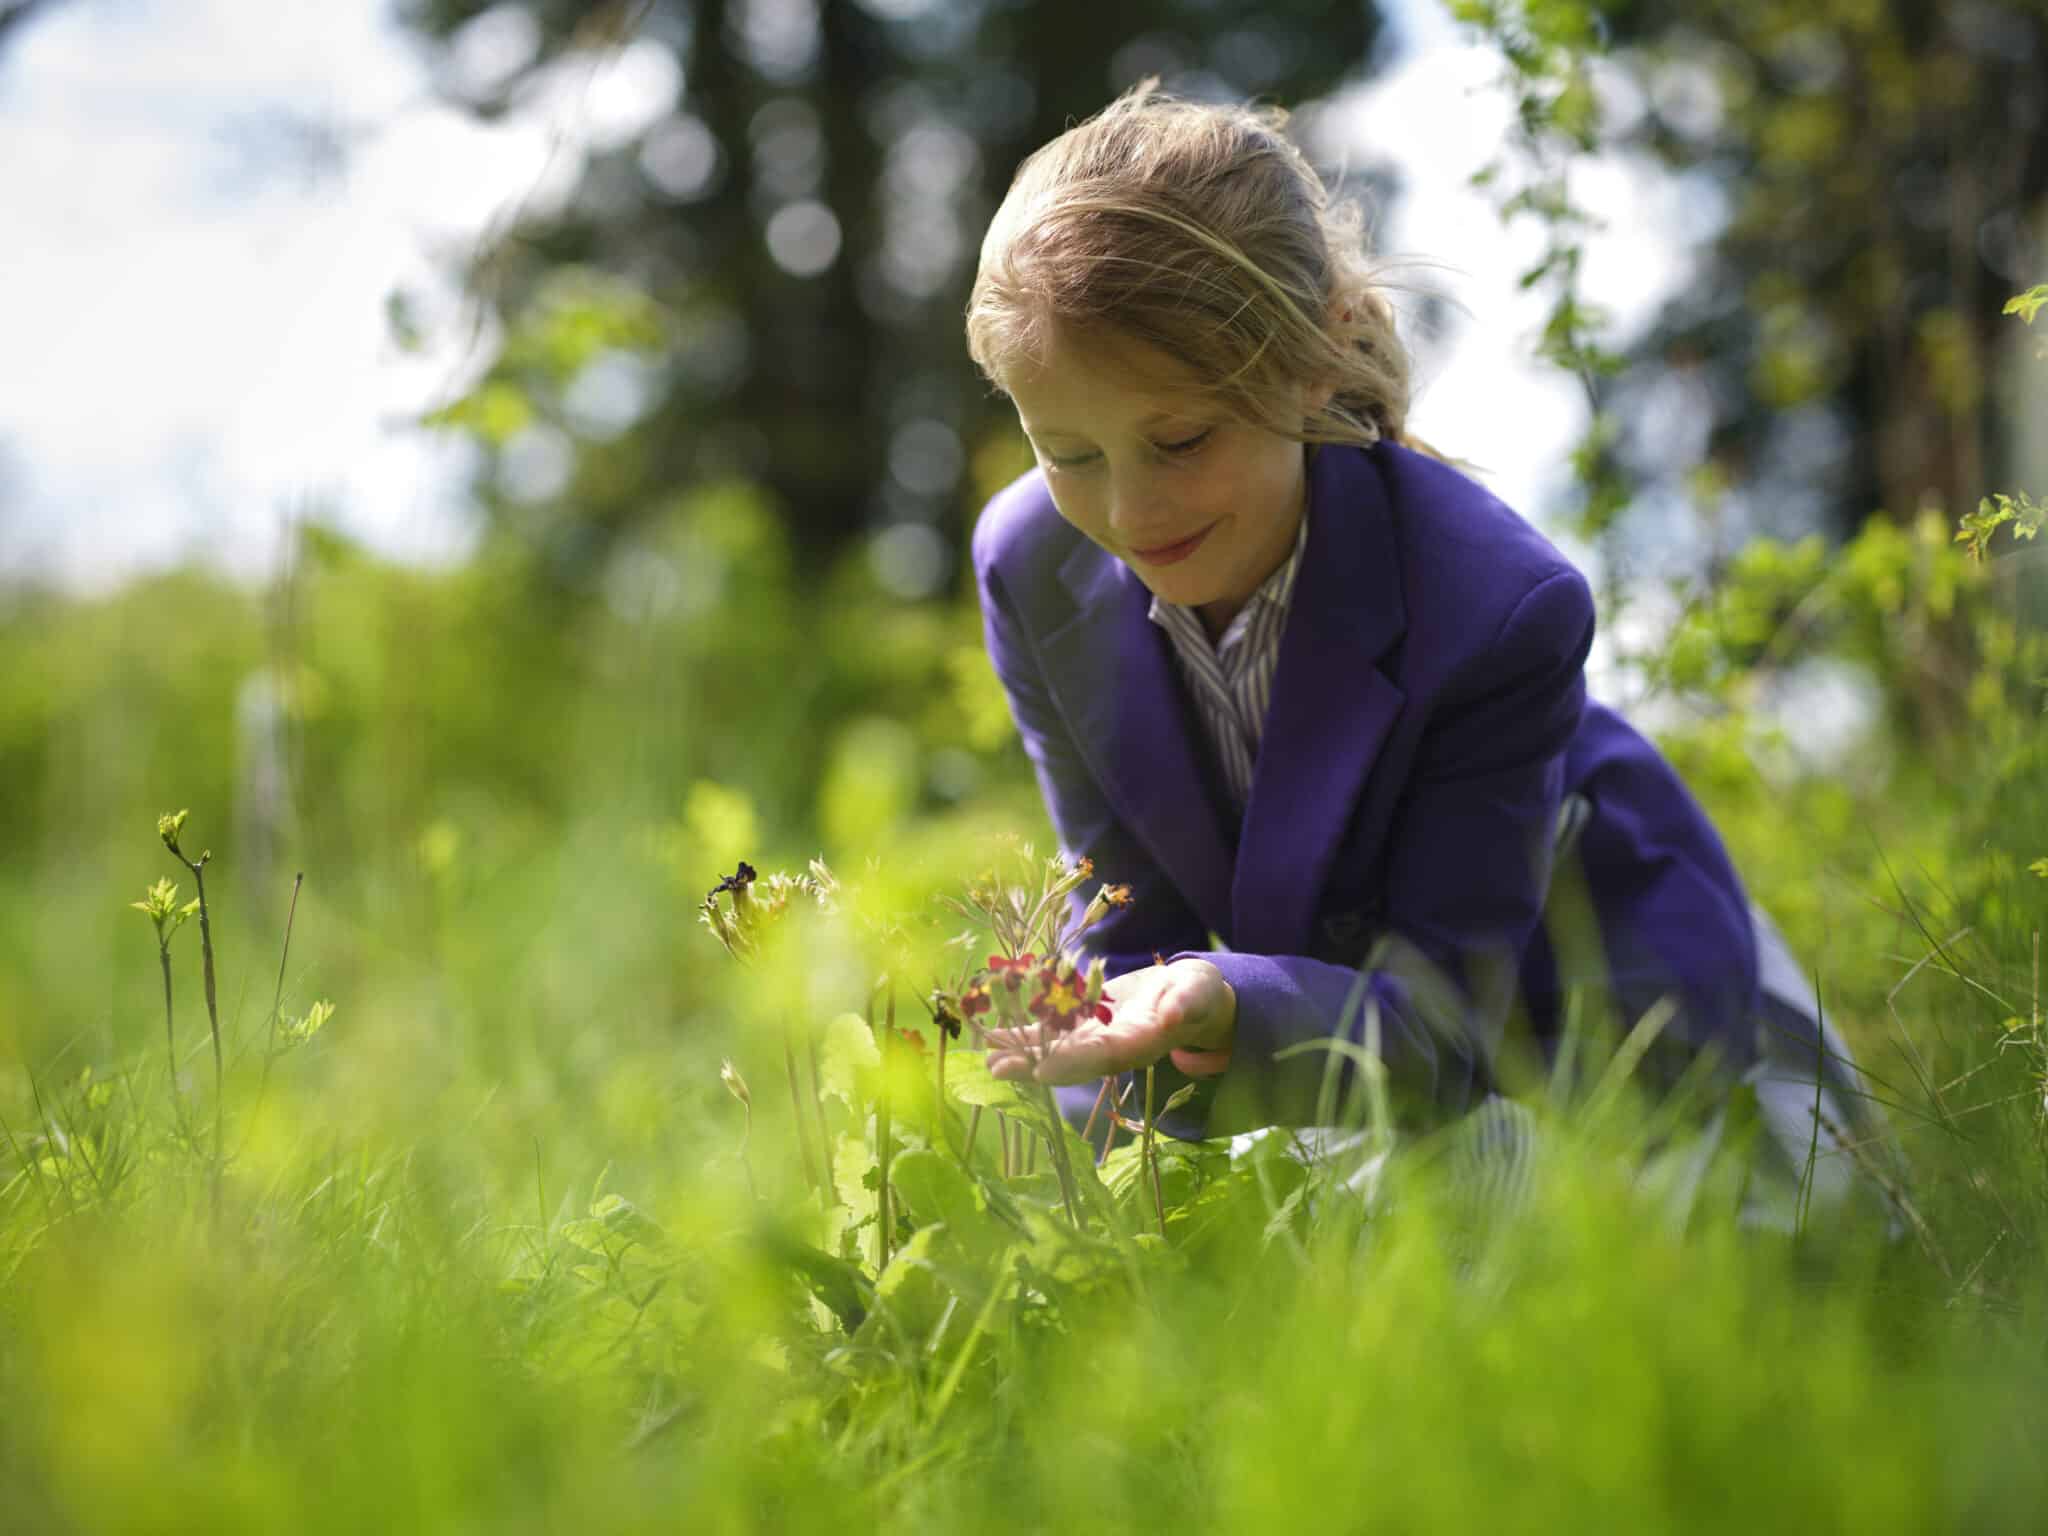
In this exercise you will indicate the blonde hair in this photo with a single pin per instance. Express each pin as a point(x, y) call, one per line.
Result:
point(1201, 231)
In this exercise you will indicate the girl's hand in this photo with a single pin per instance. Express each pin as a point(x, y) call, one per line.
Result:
point(1186, 1010)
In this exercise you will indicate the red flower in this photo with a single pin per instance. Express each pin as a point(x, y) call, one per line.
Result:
point(1060, 1003)
point(1012, 972)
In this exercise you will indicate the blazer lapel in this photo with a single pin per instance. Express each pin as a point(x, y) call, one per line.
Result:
point(1112, 670)
point(1331, 706)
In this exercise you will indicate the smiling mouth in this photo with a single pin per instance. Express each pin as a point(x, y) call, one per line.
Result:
point(1168, 554)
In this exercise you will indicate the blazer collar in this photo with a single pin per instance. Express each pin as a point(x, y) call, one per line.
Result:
point(1113, 671)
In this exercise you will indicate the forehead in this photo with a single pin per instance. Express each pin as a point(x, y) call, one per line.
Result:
point(1075, 381)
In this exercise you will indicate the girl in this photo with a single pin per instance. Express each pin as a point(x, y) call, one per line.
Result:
point(1312, 694)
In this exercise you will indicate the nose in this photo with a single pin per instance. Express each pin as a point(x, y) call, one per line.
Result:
point(1139, 516)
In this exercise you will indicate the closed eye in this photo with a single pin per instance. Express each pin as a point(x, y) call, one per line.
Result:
point(1187, 447)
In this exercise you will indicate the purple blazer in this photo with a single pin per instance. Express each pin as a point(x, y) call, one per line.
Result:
point(1428, 718)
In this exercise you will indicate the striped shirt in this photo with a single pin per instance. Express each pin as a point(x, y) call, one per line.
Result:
point(1232, 681)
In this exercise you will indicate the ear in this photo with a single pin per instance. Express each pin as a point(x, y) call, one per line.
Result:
point(1316, 396)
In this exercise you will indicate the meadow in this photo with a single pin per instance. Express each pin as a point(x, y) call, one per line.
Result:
point(514, 1201)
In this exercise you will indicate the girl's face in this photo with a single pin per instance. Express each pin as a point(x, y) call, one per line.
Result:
point(1202, 509)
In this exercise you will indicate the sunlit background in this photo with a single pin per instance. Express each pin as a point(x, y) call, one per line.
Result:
point(239, 232)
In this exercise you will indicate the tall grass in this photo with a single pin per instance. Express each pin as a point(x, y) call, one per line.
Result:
point(524, 1284)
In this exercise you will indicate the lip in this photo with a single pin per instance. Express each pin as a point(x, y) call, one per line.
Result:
point(1173, 554)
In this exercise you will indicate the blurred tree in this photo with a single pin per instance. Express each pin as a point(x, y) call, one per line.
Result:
point(14, 12)
point(767, 283)
point(1873, 179)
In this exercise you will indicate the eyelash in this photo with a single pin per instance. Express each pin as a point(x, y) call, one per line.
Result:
point(1185, 448)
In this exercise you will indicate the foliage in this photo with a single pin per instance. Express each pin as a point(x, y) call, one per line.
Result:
point(770, 276)
point(1842, 323)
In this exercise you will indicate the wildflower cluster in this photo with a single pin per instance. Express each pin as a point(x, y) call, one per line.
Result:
point(1053, 993)
point(1038, 981)
point(757, 903)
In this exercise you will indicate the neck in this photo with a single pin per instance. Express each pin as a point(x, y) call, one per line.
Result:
point(1216, 616)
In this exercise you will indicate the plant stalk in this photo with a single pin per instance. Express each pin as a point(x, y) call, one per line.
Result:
point(277, 998)
point(796, 1104)
point(1062, 1165)
point(818, 1110)
point(973, 1133)
point(1152, 1155)
point(198, 869)
point(885, 1213)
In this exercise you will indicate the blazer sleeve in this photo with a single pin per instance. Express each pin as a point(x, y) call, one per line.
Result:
point(1467, 868)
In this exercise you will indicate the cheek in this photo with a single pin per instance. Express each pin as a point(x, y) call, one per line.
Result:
point(1077, 506)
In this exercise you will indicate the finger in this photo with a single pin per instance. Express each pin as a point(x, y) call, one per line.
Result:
point(1082, 1058)
point(1031, 1037)
point(1201, 1063)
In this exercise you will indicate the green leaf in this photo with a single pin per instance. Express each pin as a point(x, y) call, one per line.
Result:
point(855, 1176)
point(849, 1058)
point(2039, 867)
point(840, 1285)
point(912, 1293)
point(2029, 304)
point(969, 1082)
point(935, 1188)
point(299, 1031)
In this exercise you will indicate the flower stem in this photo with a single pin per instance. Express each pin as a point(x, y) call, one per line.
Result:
point(818, 1109)
point(1062, 1164)
point(885, 1215)
point(796, 1103)
point(198, 869)
point(973, 1133)
point(277, 999)
point(163, 954)
point(1152, 1155)
point(1101, 1096)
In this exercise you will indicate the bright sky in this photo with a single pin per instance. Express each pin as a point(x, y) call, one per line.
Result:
point(194, 330)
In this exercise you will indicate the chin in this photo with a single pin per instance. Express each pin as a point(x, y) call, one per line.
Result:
point(1172, 587)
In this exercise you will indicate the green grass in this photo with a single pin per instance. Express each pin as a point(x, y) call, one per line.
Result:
point(414, 1305)
point(484, 1254)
